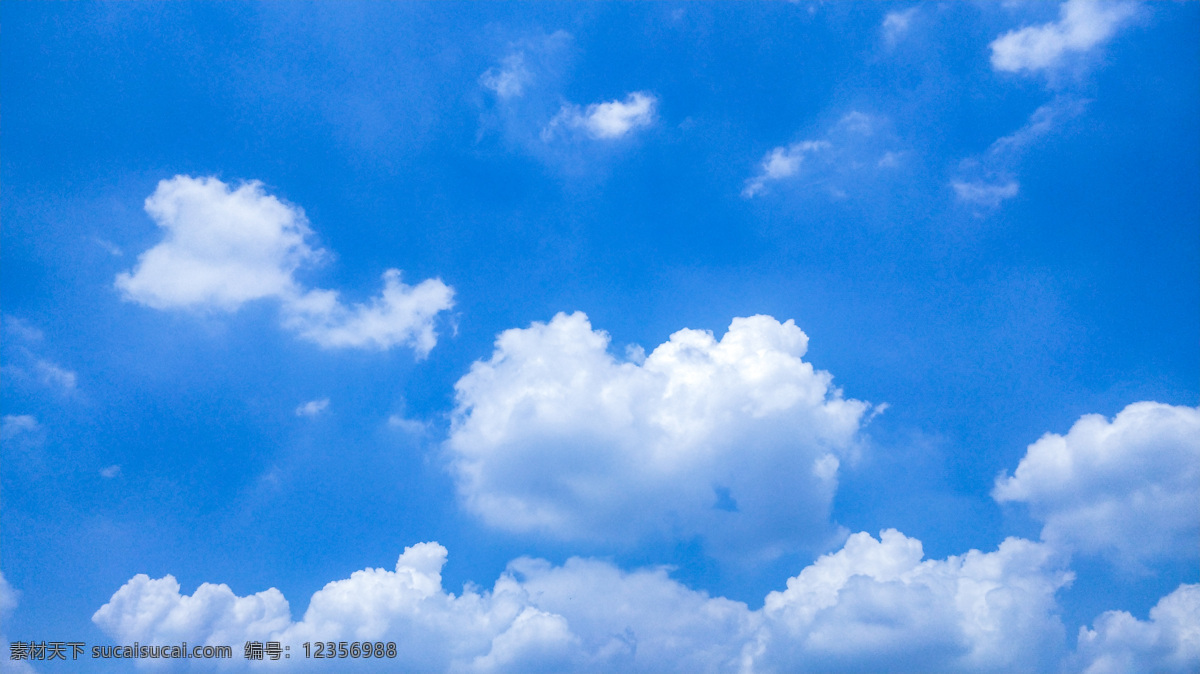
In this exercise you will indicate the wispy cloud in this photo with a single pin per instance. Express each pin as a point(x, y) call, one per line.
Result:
point(989, 179)
point(849, 147)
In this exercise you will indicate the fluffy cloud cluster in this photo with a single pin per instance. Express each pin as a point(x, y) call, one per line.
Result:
point(1082, 26)
point(1168, 642)
point(875, 604)
point(605, 121)
point(737, 439)
point(1128, 489)
point(224, 247)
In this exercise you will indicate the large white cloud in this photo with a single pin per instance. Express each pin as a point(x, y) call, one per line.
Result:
point(1168, 642)
point(738, 440)
point(1129, 488)
point(876, 604)
point(223, 247)
point(1082, 26)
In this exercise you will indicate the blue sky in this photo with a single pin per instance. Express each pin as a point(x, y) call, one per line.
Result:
point(687, 296)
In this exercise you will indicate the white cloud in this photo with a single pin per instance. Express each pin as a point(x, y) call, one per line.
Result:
point(605, 121)
point(108, 246)
point(985, 194)
point(1168, 642)
point(510, 79)
point(627, 448)
point(312, 408)
point(22, 330)
point(896, 24)
point(1128, 489)
point(402, 314)
point(991, 180)
point(224, 247)
point(1082, 26)
point(842, 156)
point(17, 424)
point(220, 248)
point(153, 610)
point(111, 471)
point(8, 603)
point(782, 162)
point(530, 65)
point(412, 426)
point(875, 604)
point(54, 376)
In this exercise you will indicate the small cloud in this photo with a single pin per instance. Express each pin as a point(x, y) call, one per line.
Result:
point(411, 426)
point(312, 408)
point(510, 79)
point(110, 472)
point(986, 180)
point(22, 330)
point(109, 247)
point(896, 25)
point(13, 425)
point(985, 194)
point(782, 162)
point(54, 376)
point(889, 160)
point(857, 122)
point(605, 121)
point(1082, 26)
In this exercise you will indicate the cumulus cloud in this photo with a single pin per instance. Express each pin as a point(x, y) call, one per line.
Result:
point(875, 604)
point(1127, 488)
point(848, 148)
point(1168, 642)
point(110, 471)
point(738, 439)
point(605, 121)
point(1083, 25)
point(223, 247)
point(312, 408)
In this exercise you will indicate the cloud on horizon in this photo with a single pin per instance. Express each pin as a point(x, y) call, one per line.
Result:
point(876, 603)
